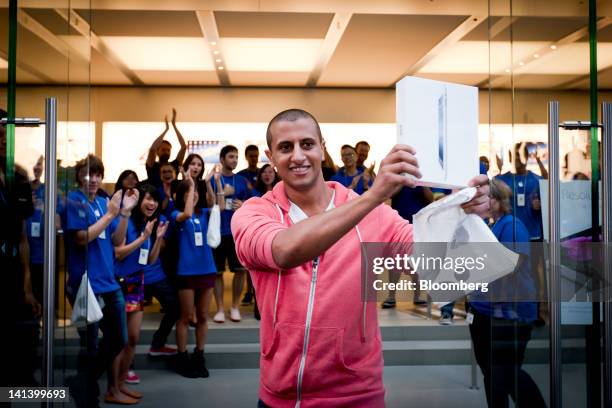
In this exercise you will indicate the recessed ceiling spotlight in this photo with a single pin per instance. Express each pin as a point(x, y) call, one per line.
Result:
point(213, 43)
point(221, 68)
point(521, 63)
point(218, 60)
point(216, 52)
point(553, 47)
point(536, 55)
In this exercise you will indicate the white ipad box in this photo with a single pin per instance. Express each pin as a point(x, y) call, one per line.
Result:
point(440, 120)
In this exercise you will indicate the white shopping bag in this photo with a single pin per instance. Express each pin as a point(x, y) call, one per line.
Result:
point(86, 309)
point(443, 229)
point(213, 234)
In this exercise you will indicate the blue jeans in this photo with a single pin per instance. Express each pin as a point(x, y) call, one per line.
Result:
point(447, 310)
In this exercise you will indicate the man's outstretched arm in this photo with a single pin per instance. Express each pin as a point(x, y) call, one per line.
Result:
point(303, 241)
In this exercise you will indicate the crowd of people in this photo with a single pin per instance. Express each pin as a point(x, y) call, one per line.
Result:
point(151, 238)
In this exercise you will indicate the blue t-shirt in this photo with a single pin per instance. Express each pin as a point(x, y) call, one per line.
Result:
point(520, 284)
point(342, 178)
point(409, 201)
point(241, 192)
point(528, 186)
point(251, 176)
point(37, 254)
point(98, 257)
point(194, 260)
point(128, 267)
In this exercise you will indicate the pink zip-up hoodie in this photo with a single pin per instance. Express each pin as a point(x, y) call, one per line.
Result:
point(320, 343)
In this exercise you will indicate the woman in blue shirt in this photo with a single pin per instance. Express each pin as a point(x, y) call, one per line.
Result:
point(500, 329)
point(196, 271)
point(140, 248)
point(266, 180)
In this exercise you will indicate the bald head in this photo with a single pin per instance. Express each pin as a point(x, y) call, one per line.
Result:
point(291, 115)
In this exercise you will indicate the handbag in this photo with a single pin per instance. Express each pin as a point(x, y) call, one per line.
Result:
point(86, 309)
point(213, 234)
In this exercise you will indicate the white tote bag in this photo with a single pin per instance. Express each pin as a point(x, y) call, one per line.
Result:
point(213, 234)
point(86, 308)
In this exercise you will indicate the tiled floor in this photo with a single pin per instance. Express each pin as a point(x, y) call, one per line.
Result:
point(406, 386)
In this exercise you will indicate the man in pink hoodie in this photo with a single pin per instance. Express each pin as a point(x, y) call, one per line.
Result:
point(320, 343)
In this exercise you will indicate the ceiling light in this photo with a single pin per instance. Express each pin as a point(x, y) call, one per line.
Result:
point(270, 54)
point(216, 52)
point(507, 69)
point(213, 43)
point(218, 60)
point(221, 68)
point(553, 47)
point(162, 53)
point(536, 55)
point(521, 63)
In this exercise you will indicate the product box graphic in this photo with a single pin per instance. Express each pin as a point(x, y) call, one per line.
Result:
point(440, 120)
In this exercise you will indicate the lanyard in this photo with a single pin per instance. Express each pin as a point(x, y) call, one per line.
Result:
point(194, 225)
point(97, 217)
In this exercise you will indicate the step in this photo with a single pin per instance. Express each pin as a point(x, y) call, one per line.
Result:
point(407, 352)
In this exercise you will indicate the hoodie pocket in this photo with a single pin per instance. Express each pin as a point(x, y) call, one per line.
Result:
point(280, 362)
point(325, 369)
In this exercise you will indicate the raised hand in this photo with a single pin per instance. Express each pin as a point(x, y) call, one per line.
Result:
point(114, 204)
point(130, 199)
point(173, 117)
point(480, 204)
point(209, 175)
point(162, 227)
point(148, 230)
point(187, 176)
point(228, 189)
point(391, 176)
point(166, 121)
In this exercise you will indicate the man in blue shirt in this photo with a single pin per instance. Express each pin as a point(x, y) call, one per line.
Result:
point(90, 239)
point(349, 175)
point(251, 154)
point(525, 188)
point(235, 192)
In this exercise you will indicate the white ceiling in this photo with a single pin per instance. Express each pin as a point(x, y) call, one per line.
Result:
point(333, 43)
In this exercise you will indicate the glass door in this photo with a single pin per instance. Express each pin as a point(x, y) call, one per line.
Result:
point(44, 53)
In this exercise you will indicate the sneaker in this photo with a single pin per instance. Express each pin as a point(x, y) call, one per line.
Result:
point(219, 317)
point(235, 314)
point(184, 366)
point(199, 363)
point(132, 377)
point(389, 303)
point(162, 351)
point(418, 302)
point(247, 299)
point(446, 321)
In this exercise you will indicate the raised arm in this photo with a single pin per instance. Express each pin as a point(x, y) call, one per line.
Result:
point(188, 211)
point(303, 241)
point(162, 227)
point(181, 154)
point(128, 202)
point(153, 149)
point(85, 236)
